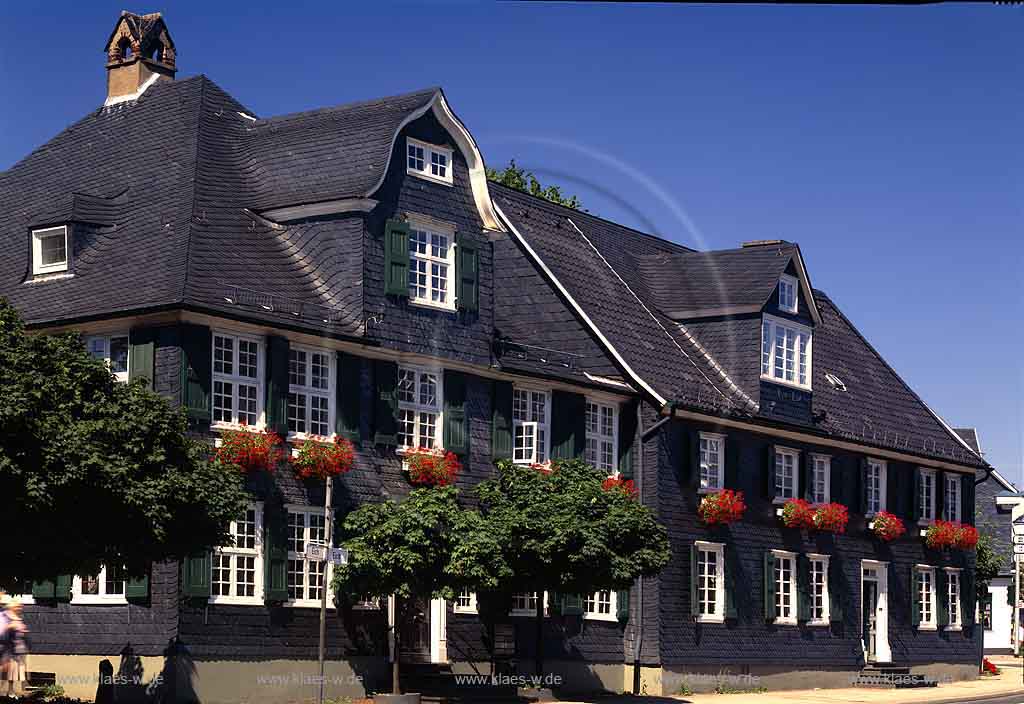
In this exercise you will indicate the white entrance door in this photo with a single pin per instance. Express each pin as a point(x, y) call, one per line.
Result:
point(874, 597)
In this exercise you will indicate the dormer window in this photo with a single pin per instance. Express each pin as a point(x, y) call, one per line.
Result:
point(785, 352)
point(49, 250)
point(788, 293)
point(429, 161)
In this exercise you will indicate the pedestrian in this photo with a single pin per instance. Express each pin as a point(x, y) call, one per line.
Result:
point(5, 650)
point(16, 646)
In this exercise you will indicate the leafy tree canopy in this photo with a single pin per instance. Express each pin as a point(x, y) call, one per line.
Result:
point(94, 471)
point(522, 180)
point(988, 563)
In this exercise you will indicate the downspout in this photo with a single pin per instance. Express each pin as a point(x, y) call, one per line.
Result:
point(638, 640)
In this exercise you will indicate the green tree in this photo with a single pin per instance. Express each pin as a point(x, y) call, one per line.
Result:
point(93, 471)
point(560, 531)
point(522, 180)
point(987, 564)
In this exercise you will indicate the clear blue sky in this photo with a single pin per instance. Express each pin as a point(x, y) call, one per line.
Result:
point(887, 141)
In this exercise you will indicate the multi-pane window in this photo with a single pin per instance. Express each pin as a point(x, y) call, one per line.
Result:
point(710, 581)
point(309, 392)
point(306, 578)
point(712, 461)
point(925, 586)
point(601, 432)
point(112, 349)
point(926, 495)
point(786, 352)
point(238, 568)
point(428, 161)
point(237, 380)
point(785, 587)
point(951, 498)
point(953, 597)
point(465, 602)
point(106, 586)
point(530, 417)
point(874, 486)
point(818, 578)
point(419, 407)
point(49, 250)
point(524, 603)
point(787, 293)
point(821, 472)
point(600, 605)
point(431, 265)
point(786, 473)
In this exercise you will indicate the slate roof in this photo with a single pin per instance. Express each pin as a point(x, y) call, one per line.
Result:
point(970, 436)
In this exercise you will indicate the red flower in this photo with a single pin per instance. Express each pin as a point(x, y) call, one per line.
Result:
point(318, 459)
point(624, 485)
point(831, 518)
point(941, 534)
point(544, 467)
point(887, 526)
point(966, 537)
point(797, 513)
point(989, 667)
point(248, 450)
point(429, 467)
point(724, 507)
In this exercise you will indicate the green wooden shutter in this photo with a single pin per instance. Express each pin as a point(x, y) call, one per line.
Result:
point(732, 566)
point(385, 402)
point(349, 396)
point(568, 425)
point(915, 601)
point(732, 463)
point(456, 432)
point(62, 589)
point(467, 272)
point(940, 494)
point(941, 598)
point(770, 479)
point(137, 588)
point(769, 586)
point(893, 490)
point(277, 385)
point(196, 371)
point(627, 436)
point(916, 498)
point(275, 555)
point(622, 605)
point(836, 593)
point(836, 486)
point(968, 598)
point(803, 588)
point(501, 420)
point(396, 258)
point(43, 589)
point(572, 605)
point(862, 486)
point(142, 355)
point(691, 465)
point(694, 575)
point(195, 575)
point(967, 492)
point(804, 490)
point(554, 604)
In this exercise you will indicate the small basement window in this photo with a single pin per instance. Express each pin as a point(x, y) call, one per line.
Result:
point(49, 250)
point(429, 161)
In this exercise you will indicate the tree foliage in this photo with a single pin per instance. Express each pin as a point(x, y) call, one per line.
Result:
point(987, 563)
point(94, 471)
point(522, 180)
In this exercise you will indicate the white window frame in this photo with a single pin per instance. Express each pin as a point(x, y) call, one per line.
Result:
point(255, 552)
point(429, 151)
point(784, 452)
point(794, 286)
point(789, 557)
point(40, 269)
point(431, 227)
point(818, 563)
point(418, 408)
point(951, 509)
point(105, 341)
point(953, 598)
point(883, 471)
point(306, 601)
point(770, 326)
point(530, 611)
point(597, 440)
point(469, 607)
point(308, 391)
point(541, 450)
point(932, 623)
point(592, 604)
point(235, 379)
point(718, 549)
point(707, 441)
point(821, 463)
point(927, 510)
point(77, 597)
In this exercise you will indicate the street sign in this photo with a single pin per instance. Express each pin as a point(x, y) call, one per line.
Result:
point(339, 556)
point(319, 552)
point(1018, 539)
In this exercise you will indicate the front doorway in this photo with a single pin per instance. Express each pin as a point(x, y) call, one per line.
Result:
point(422, 636)
point(874, 611)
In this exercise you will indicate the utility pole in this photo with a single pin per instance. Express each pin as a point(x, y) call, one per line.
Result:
point(323, 583)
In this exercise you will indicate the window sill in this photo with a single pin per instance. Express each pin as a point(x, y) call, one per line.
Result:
point(790, 384)
point(429, 177)
point(819, 623)
point(440, 307)
point(708, 490)
point(710, 619)
point(90, 600)
point(927, 627)
point(468, 612)
point(237, 600)
point(954, 628)
point(785, 622)
point(600, 617)
point(780, 500)
point(522, 613)
point(43, 277)
point(221, 425)
point(307, 604)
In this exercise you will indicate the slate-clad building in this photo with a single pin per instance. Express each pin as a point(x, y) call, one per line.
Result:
point(350, 271)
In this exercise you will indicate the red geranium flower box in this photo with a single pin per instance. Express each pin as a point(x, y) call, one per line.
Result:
point(966, 537)
point(617, 484)
point(249, 450)
point(941, 534)
point(723, 507)
point(429, 467)
point(797, 513)
point(831, 518)
point(887, 527)
point(319, 459)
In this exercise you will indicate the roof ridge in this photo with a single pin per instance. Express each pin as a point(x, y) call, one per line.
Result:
point(343, 106)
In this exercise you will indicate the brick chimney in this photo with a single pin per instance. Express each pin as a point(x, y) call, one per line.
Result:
point(140, 52)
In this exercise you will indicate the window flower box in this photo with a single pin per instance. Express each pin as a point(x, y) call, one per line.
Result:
point(797, 513)
point(250, 451)
point(966, 537)
point(886, 526)
point(940, 535)
point(319, 458)
point(831, 518)
point(618, 484)
point(722, 508)
point(431, 467)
